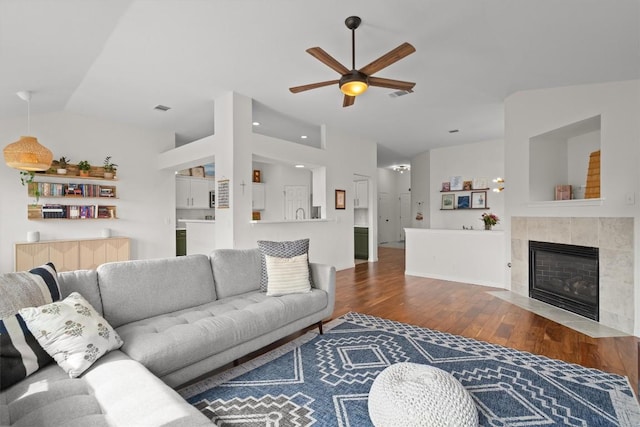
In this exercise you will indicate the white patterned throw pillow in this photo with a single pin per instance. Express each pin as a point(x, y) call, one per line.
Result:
point(72, 332)
point(287, 275)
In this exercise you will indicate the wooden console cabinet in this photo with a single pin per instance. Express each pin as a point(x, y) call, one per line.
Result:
point(66, 255)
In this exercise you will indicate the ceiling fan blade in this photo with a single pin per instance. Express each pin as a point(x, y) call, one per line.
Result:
point(327, 59)
point(388, 58)
point(391, 84)
point(348, 101)
point(302, 88)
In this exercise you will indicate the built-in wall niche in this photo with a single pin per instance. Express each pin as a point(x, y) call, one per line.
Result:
point(562, 157)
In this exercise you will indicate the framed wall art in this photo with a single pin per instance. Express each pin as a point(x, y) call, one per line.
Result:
point(463, 202)
point(478, 199)
point(341, 199)
point(448, 201)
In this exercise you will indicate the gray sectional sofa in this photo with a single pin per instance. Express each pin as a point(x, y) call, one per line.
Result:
point(179, 318)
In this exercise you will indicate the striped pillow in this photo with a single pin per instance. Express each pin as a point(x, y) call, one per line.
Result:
point(285, 249)
point(20, 353)
point(287, 275)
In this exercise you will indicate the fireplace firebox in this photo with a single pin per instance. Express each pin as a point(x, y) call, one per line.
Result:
point(566, 276)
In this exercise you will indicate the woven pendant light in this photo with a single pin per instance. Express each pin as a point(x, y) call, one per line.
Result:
point(27, 153)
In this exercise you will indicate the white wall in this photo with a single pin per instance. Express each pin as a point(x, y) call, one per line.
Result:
point(146, 204)
point(481, 159)
point(579, 148)
point(420, 189)
point(538, 111)
point(233, 147)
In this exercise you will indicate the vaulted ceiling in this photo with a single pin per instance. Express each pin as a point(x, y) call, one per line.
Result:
point(117, 59)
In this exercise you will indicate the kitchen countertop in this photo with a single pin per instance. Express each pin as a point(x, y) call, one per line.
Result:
point(197, 220)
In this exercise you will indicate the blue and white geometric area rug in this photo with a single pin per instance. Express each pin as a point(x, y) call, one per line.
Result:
point(324, 380)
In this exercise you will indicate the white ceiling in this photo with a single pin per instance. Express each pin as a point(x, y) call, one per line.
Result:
point(117, 59)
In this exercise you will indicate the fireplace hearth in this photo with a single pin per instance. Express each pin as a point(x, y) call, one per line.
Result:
point(566, 276)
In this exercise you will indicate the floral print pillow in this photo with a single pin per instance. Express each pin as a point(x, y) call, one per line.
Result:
point(72, 332)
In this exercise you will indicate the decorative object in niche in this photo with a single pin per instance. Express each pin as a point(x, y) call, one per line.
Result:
point(563, 192)
point(256, 175)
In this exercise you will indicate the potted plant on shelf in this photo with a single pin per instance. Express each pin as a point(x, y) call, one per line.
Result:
point(62, 165)
point(109, 168)
point(84, 167)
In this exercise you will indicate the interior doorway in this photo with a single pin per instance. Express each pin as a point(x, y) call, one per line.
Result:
point(385, 218)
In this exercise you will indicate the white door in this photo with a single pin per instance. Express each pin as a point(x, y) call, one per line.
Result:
point(296, 202)
point(385, 223)
point(405, 213)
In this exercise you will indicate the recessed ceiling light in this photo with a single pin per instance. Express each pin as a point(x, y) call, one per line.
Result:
point(303, 137)
point(299, 166)
point(161, 107)
point(256, 123)
point(454, 131)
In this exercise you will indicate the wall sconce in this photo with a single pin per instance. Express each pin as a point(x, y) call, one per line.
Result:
point(500, 184)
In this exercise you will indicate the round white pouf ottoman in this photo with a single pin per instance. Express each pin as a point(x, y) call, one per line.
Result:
point(410, 394)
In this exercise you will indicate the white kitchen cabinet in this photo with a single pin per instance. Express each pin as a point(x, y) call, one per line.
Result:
point(192, 193)
point(258, 200)
point(361, 194)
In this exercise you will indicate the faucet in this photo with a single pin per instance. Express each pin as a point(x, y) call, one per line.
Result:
point(300, 209)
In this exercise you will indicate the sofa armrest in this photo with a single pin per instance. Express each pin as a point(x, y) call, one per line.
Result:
point(324, 278)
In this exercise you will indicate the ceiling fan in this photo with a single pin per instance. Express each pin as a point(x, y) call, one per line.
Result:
point(354, 82)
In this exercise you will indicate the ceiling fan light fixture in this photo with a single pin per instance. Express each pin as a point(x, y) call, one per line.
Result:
point(354, 83)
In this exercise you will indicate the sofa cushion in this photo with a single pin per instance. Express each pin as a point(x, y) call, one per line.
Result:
point(36, 287)
point(85, 282)
point(170, 342)
point(71, 332)
point(236, 271)
point(115, 391)
point(51, 398)
point(287, 275)
point(135, 290)
point(284, 249)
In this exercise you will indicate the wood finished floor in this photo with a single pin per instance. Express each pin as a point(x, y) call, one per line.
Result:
point(381, 289)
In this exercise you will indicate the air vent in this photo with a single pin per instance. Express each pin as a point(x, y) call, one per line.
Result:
point(161, 107)
point(400, 93)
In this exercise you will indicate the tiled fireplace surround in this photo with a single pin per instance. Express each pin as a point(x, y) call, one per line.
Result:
point(613, 237)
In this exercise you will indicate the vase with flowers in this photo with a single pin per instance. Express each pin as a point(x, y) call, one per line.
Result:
point(489, 220)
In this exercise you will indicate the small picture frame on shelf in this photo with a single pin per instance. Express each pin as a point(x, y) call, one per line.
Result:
point(466, 185)
point(480, 183)
point(463, 202)
point(478, 199)
point(456, 183)
point(448, 201)
point(341, 198)
point(446, 186)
